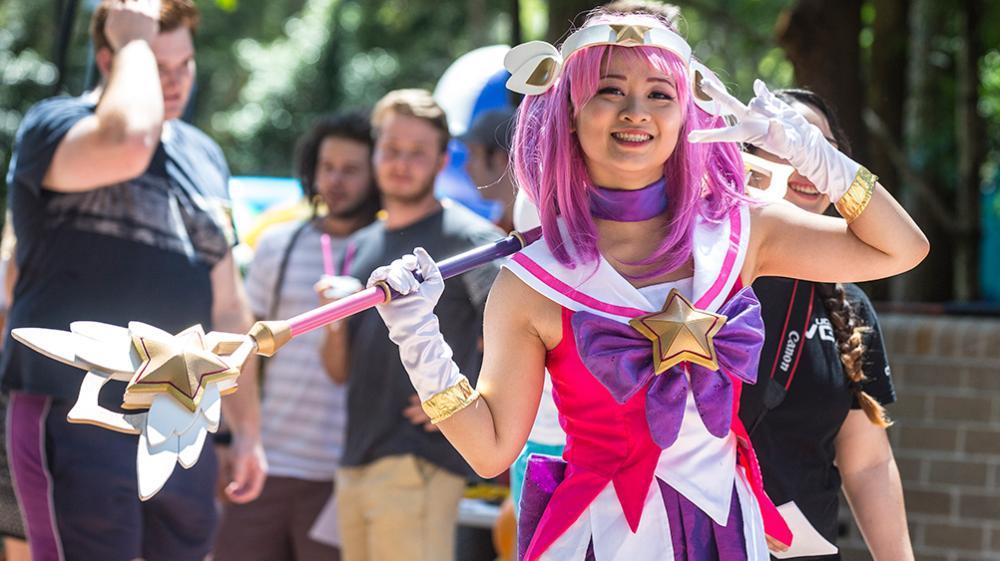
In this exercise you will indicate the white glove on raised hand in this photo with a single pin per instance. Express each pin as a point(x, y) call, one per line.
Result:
point(773, 125)
point(413, 325)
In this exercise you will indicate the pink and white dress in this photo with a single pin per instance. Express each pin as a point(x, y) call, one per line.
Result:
point(655, 467)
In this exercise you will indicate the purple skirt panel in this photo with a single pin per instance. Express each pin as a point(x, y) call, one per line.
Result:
point(694, 535)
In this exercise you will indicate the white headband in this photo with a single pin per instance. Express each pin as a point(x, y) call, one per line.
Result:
point(535, 66)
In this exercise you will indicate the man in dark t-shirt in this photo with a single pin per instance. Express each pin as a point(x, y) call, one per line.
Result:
point(376, 403)
point(401, 481)
point(120, 214)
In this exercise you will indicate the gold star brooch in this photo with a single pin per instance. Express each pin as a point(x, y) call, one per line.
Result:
point(180, 365)
point(680, 332)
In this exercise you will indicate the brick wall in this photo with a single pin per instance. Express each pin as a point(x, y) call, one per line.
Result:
point(947, 435)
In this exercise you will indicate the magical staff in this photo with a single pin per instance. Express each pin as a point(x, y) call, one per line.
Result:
point(175, 382)
point(269, 336)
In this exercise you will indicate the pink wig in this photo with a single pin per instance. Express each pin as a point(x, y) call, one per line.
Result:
point(549, 163)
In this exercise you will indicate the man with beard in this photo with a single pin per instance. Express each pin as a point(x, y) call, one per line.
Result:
point(303, 409)
point(400, 481)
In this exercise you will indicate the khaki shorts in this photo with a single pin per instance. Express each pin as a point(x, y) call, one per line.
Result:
point(398, 508)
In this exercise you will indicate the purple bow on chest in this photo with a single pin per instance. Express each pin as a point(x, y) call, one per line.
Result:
point(621, 358)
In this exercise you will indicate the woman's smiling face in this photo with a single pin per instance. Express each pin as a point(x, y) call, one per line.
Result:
point(631, 125)
point(801, 191)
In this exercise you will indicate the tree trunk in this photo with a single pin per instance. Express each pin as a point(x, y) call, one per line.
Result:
point(925, 283)
point(887, 82)
point(820, 39)
point(886, 94)
point(516, 32)
point(969, 142)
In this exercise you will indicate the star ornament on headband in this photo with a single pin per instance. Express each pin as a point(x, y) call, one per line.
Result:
point(535, 66)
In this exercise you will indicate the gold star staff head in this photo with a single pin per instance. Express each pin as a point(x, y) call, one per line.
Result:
point(180, 365)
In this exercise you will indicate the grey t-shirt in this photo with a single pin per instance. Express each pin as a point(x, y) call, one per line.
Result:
point(303, 411)
point(379, 388)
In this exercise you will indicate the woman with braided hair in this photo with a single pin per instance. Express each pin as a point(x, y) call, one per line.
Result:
point(816, 416)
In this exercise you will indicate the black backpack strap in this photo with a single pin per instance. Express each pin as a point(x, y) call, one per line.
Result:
point(279, 282)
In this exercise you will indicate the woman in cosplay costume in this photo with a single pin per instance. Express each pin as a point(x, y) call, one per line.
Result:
point(634, 299)
point(815, 415)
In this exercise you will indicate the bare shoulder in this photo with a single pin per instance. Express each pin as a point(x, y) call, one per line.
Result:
point(515, 304)
point(768, 221)
point(761, 222)
point(767, 214)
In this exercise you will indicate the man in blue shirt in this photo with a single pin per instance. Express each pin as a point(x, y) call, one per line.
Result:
point(120, 213)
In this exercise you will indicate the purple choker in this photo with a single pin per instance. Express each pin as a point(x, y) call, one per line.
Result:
point(629, 205)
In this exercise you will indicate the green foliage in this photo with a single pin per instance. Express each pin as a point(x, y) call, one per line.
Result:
point(734, 39)
point(534, 19)
point(331, 54)
point(989, 108)
point(276, 81)
point(267, 69)
point(25, 73)
point(989, 90)
point(227, 5)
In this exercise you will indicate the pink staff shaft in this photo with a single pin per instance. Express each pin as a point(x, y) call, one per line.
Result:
point(335, 311)
point(451, 267)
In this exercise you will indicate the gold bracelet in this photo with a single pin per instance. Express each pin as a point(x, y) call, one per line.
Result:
point(857, 197)
point(446, 403)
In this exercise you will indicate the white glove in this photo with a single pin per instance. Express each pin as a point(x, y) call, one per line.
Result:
point(775, 126)
point(413, 325)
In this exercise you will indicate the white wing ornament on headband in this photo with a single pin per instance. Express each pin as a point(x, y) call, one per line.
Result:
point(772, 178)
point(698, 75)
point(180, 379)
point(535, 66)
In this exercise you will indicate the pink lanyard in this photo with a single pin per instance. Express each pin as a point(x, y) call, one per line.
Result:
point(345, 264)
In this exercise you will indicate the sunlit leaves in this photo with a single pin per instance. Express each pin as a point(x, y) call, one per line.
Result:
point(227, 5)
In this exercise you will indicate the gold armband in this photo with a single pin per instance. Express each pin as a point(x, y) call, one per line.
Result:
point(857, 197)
point(446, 403)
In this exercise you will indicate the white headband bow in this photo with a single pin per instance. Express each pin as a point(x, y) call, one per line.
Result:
point(534, 66)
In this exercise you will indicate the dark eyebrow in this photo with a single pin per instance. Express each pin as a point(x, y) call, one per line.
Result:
point(667, 81)
point(653, 79)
